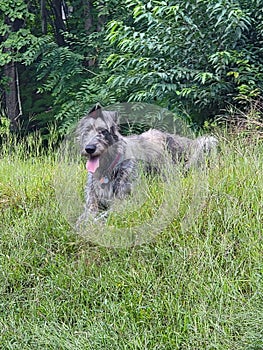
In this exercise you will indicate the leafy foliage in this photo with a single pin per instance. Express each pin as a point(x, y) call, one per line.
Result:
point(73, 74)
point(191, 55)
point(15, 21)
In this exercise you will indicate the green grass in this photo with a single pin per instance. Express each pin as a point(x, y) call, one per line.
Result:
point(198, 285)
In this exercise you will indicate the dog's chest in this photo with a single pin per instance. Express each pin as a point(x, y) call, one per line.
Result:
point(111, 184)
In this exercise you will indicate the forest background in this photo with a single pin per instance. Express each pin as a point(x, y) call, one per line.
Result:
point(199, 283)
point(198, 58)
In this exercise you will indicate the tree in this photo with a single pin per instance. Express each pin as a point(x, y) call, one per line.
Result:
point(13, 15)
point(73, 73)
point(59, 57)
point(193, 56)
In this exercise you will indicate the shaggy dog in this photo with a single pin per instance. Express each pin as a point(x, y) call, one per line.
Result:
point(113, 160)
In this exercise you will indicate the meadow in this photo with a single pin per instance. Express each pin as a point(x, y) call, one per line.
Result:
point(194, 286)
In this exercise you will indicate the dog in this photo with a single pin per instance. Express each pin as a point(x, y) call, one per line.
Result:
point(114, 160)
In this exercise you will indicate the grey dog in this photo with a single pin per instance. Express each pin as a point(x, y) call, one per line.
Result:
point(113, 160)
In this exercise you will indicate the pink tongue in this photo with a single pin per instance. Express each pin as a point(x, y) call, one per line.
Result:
point(92, 164)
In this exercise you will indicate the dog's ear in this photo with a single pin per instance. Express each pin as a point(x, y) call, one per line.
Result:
point(95, 111)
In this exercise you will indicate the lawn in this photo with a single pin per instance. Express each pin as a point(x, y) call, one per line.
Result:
point(196, 285)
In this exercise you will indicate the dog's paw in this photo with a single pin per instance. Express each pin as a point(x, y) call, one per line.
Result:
point(102, 217)
point(90, 217)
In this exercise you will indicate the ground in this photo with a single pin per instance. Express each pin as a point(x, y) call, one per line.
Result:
point(194, 288)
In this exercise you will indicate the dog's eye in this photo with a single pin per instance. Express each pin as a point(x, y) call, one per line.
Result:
point(104, 132)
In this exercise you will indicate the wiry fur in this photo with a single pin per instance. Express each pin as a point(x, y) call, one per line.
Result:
point(119, 156)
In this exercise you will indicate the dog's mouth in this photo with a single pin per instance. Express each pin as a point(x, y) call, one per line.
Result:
point(93, 164)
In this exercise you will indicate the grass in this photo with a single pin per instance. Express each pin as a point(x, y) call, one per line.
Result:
point(195, 286)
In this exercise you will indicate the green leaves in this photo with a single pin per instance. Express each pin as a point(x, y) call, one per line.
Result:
point(15, 9)
point(16, 37)
point(185, 52)
point(194, 57)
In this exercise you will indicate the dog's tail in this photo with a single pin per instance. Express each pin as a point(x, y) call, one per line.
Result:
point(207, 143)
point(202, 147)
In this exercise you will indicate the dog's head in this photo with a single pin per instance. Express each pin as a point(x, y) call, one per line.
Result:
point(96, 132)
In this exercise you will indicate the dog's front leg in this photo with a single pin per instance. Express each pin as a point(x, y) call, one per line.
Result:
point(91, 202)
point(91, 198)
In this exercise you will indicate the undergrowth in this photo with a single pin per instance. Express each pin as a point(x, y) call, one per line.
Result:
point(197, 285)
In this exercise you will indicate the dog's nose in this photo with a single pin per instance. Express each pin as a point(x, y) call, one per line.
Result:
point(90, 149)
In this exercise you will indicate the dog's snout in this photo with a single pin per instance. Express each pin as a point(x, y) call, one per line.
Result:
point(90, 149)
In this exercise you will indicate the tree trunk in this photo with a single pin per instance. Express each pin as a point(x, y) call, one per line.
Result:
point(44, 17)
point(59, 21)
point(12, 95)
point(12, 102)
point(88, 15)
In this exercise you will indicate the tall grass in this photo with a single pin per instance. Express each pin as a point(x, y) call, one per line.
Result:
point(195, 286)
